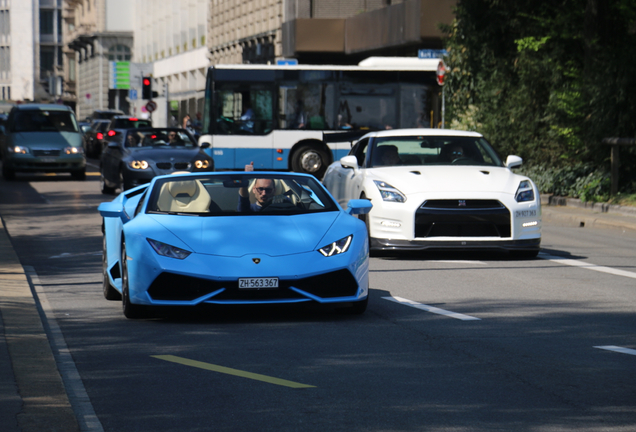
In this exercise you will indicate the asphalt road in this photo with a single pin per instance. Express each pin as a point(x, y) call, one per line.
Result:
point(468, 342)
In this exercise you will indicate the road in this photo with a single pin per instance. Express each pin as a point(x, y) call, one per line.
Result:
point(468, 342)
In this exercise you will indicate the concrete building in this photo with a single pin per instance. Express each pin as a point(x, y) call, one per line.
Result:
point(31, 61)
point(97, 33)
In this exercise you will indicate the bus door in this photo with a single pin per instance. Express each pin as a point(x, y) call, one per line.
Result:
point(243, 128)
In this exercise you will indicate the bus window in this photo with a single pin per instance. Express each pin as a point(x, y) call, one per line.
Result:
point(244, 112)
point(367, 107)
point(306, 106)
point(415, 107)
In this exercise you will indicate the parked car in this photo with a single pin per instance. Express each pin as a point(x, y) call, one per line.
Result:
point(182, 241)
point(44, 138)
point(94, 138)
point(134, 156)
point(439, 189)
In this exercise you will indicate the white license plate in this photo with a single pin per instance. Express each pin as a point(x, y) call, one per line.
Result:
point(48, 159)
point(258, 283)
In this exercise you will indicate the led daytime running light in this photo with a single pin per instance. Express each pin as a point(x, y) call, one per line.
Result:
point(336, 247)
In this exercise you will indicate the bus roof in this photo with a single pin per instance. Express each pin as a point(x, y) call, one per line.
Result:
point(371, 63)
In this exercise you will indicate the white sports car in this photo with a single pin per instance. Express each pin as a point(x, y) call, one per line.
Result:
point(439, 189)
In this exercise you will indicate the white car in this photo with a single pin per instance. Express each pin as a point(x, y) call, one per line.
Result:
point(439, 189)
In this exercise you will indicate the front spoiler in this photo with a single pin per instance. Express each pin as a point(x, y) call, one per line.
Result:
point(378, 244)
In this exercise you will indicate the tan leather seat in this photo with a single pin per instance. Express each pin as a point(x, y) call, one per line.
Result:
point(187, 196)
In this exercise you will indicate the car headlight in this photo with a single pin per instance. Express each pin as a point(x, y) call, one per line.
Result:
point(167, 250)
point(73, 150)
point(389, 193)
point(18, 149)
point(336, 247)
point(139, 165)
point(202, 164)
point(525, 192)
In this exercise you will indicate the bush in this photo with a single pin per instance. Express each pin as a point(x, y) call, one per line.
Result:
point(581, 181)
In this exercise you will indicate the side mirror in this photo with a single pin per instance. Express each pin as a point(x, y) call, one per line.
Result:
point(114, 210)
point(205, 145)
point(349, 162)
point(359, 206)
point(513, 161)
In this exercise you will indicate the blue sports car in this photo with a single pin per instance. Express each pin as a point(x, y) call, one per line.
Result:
point(234, 238)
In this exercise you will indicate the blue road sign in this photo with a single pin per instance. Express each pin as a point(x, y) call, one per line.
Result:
point(132, 94)
point(287, 62)
point(431, 53)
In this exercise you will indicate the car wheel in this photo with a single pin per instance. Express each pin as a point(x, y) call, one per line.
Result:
point(131, 311)
point(311, 160)
point(107, 190)
point(79, 174)
point(110, 293)
point(7, 174)
point(357, 308)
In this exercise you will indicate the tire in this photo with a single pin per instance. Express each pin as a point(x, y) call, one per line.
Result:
point(310, 159)
point(106, 190)
point(79, 174)
point(110, 293)
point(123, 184)
point(357, 308)
point(131, 311)
point(7, 174)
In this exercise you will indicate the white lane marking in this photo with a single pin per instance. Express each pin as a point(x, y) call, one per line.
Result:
point(589, 266)
point(617, 349)
point(431, 309)
point(75, 389)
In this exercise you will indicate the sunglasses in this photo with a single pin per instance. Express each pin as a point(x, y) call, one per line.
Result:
point(266, 190)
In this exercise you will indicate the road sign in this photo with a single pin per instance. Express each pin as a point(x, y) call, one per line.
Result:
point(132, 94)
point(151, 106)
point(287, 62)
point(431, 53)
point(441, 72)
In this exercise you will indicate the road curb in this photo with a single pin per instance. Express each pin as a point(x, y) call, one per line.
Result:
point(45, 404)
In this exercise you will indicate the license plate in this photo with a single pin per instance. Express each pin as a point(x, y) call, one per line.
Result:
point(48, 159)
point(258, 283)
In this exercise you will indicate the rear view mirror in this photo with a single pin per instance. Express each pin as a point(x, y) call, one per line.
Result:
point(513, 161)
point(349, 162)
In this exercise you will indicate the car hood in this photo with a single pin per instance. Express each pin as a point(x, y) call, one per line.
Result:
point(449, 179)
point(47, 140)
point(155, 153)
point(237, 236)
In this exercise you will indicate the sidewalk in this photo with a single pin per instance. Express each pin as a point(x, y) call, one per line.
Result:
point(33, 396)
point(31, 389)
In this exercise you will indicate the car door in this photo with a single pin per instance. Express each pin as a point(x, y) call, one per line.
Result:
point(355, 178)
point(111, 159)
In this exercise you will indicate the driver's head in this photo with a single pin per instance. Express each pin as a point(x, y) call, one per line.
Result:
point(456, 151)
point(172, 135)
point(263, 190)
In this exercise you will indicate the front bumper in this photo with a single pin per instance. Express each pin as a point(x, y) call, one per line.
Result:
point(31, 163)
point(464, 245)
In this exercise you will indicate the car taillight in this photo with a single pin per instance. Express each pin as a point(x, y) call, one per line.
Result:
point(133, 119)
point(111, 133)
point(100, 135)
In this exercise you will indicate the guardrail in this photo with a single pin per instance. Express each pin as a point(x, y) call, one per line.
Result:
point(616, 143)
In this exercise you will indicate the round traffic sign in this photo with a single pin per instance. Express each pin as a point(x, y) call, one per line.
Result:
point(151, 106)
point(441, 72)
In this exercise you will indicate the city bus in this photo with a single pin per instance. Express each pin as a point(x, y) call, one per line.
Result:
point(304, 117)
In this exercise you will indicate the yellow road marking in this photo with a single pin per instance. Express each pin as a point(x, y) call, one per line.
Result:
point(230, 371)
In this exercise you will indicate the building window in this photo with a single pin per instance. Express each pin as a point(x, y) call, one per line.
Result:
point(71, 69)
point(119, 53)
point(46, 22)
point(47, 61)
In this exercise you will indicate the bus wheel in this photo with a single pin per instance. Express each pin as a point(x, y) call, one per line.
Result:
point(310, 159)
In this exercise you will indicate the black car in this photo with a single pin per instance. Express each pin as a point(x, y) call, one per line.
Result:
point(94, 138)
point(119, 122)
point(105, 114)
point(134, 156)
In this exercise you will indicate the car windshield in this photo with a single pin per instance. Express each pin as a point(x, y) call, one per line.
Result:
point(161, 138)
point(44, 121)
point(250, 194)
point(432, 150)
point(125, 123)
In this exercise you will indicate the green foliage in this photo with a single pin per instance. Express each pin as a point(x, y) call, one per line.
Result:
point(546, 80)
point(582, 181)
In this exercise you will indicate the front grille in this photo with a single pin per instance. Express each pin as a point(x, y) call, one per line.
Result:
point(462, 218)
point(49, 152)
point(177, 165)
point(169, 286)
point(462, 204)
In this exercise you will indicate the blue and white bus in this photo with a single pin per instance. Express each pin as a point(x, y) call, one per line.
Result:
point(303, 117)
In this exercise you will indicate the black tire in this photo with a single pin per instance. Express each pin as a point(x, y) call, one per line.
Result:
point(79, 174)
point(7, 174)
point(356, 308)
point(310, 159)
point(107, 190)
point(131, 311)
point(110, 293)
point(123, 184)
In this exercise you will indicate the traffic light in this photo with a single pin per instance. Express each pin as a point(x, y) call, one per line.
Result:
point(146, 87)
